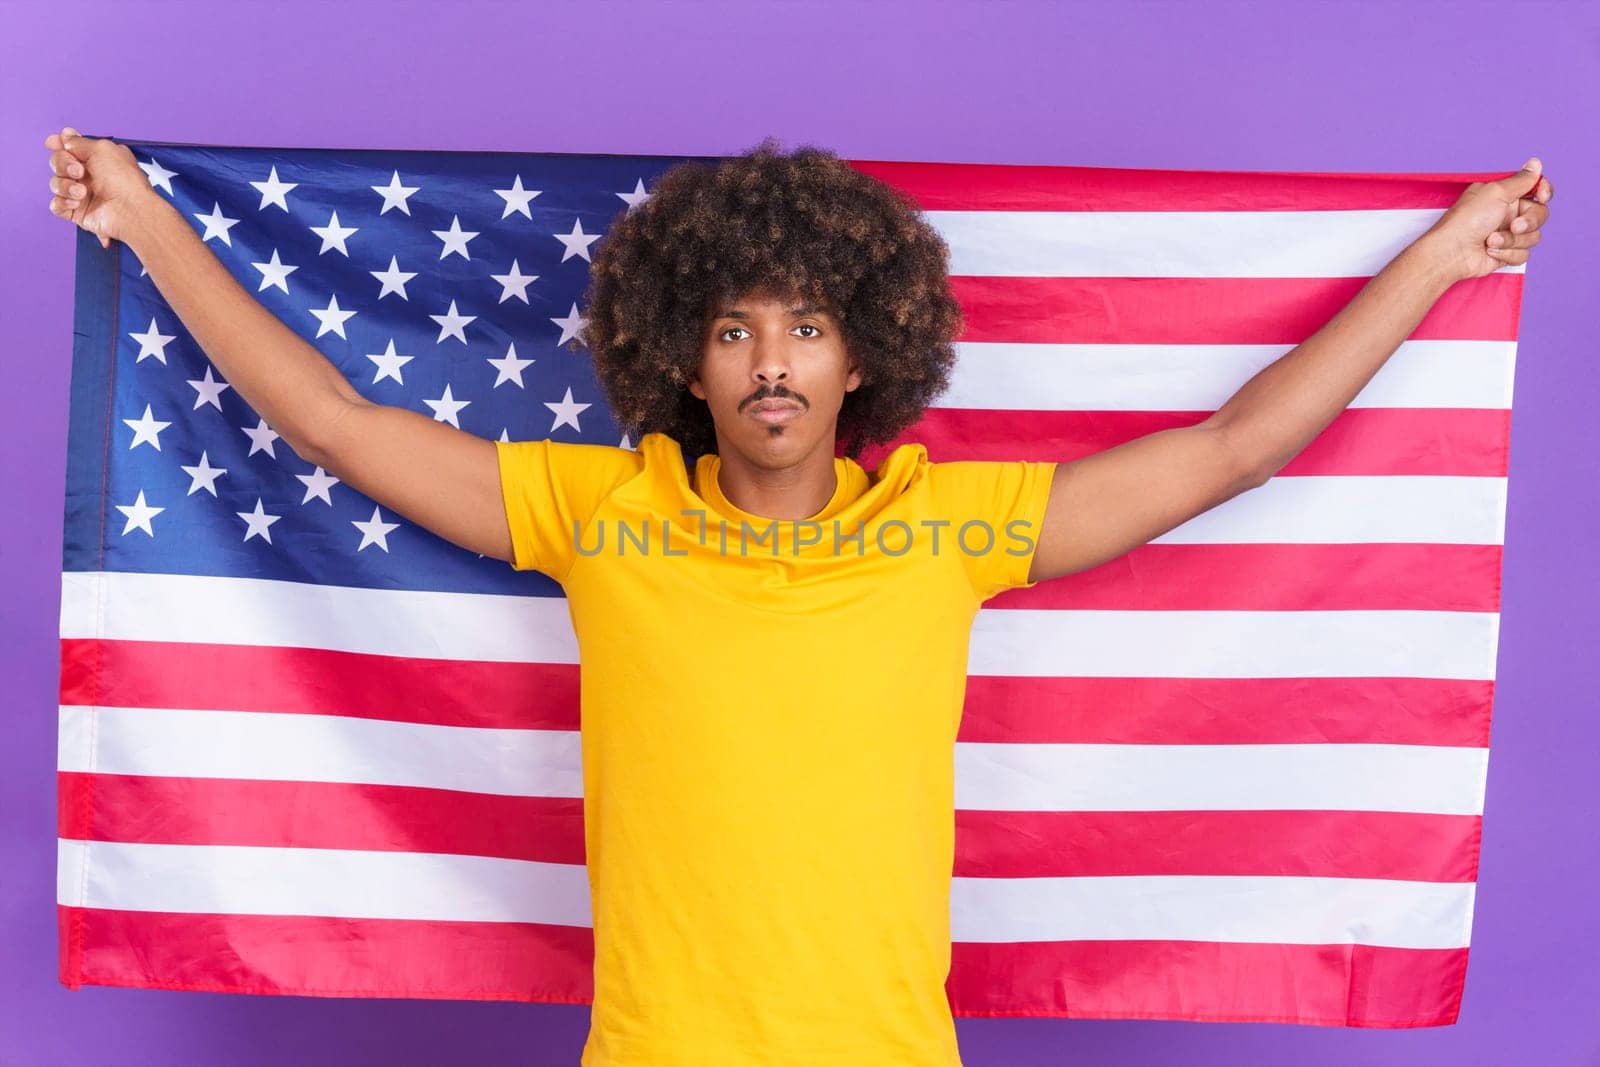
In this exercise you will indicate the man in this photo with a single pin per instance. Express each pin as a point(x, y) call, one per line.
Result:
point(773, 640)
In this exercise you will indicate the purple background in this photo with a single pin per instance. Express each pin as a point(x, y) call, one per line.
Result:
point(1355, 86)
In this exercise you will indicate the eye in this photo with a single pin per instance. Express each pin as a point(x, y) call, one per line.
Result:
point(807, 326)
point(724, 334)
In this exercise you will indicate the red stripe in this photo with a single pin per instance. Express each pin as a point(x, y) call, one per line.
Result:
point(1310, 844)
point(1209, 311)
point(1277, 577)
point(1324, 985)
point(291, 814)
point(158, 674)
point(1461, 442)
point(272, 814)
point(296, 955)
point(1001, 187)
point(1228, 711)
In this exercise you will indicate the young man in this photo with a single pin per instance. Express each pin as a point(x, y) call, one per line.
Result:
point(773, 678)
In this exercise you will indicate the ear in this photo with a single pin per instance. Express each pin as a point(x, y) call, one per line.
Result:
point(853, 380)
point(696, 388)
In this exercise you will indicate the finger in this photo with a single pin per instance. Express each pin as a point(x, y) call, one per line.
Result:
point(67, 189)
point(64, 162)
point(1501, 241)
point(1523, 181)
point(1509, 256)
point(1530, 216)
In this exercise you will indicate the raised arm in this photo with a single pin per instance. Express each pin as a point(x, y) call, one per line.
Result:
point(439, 477)
point(1109, 503)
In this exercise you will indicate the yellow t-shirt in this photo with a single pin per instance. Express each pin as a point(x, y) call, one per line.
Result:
point(768, 742)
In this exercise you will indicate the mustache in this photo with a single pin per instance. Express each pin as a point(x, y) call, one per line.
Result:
point(774, 393)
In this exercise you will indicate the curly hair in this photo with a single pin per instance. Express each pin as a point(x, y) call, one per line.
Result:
point(805, 224)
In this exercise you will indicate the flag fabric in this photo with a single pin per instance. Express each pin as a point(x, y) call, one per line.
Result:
point(307, 747)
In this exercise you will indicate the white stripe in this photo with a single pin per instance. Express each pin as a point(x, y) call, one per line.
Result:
point(1179, 244)
point(251, 880)
point(1051, 377)
point(1423, 779)
point(247, 880)
point(253, 746)
point(258, 611)
point(184, 743)
point(1269, 910)
point(1234, 644)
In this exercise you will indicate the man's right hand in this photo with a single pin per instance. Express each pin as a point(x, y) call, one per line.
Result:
point(96, 183)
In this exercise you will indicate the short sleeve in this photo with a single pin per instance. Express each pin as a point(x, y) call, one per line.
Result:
point(551, 489)
point(1001, 504)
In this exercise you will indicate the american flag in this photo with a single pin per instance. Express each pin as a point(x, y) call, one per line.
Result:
point(307, 747)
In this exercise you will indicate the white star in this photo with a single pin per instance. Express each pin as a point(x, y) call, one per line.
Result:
point(566, 412)
point(625, 443)
point(570, 326)
point(577, 242)
point(217, 224)
point(153, 343)
point(261, 438)
point(517, 198)
point(394, 194)
point(275, 273)
point(159, 176)
point(446, 408)
point(333, 235)
point(318, 483)
point(389, 363)
point(514, 284)
point(257, 522)
point(394, 279)
point(209, 390)
point(204, 475)
point(146, 429)
point(637, 197)
point(273, 191)
point(331, 317)
point(139, 514)
point(509, 367)
point(504, 436)
point(374, 531)
point(452, 324)
point(455, 238)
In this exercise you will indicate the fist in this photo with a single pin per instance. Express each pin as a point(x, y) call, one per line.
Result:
point(95, 183)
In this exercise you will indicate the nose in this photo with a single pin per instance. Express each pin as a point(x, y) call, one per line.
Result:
point(769, 363)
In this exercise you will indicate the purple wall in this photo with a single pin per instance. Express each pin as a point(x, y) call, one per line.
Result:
point(1467, 86)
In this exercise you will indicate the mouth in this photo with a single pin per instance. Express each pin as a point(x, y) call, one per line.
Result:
point(776, 411)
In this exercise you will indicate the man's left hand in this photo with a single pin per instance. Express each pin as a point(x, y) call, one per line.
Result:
point(1493, 224)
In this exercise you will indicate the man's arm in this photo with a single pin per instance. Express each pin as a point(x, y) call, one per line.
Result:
point(439, 477)
point(1106, 504)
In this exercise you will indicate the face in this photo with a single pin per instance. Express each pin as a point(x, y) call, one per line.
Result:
point(774, 373)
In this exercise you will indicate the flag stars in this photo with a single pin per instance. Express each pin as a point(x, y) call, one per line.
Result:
point(217, 224)
point(394, 279)
point(452, 324)
point(261, 438)
point(317, 484)
point(514, 284)
point(571, 326)
point(394, 195)
point(577, 242)
point(209, 390)
point(374, 531)
point(389, 363)
point(333, 235)
point(275, 273)
point(160, 177)
point(566, 412)
point(273, 191)
point(332, 318)
point(139, 515)
point(637, 197)
point(153, 343)
point(146, 430)
point(204, 476)
point(257, 522)
point(446, 408)
point(509, 368)
point(516, 199)
point(455, 238)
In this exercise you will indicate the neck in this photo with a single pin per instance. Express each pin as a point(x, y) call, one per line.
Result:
point(796, 491)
